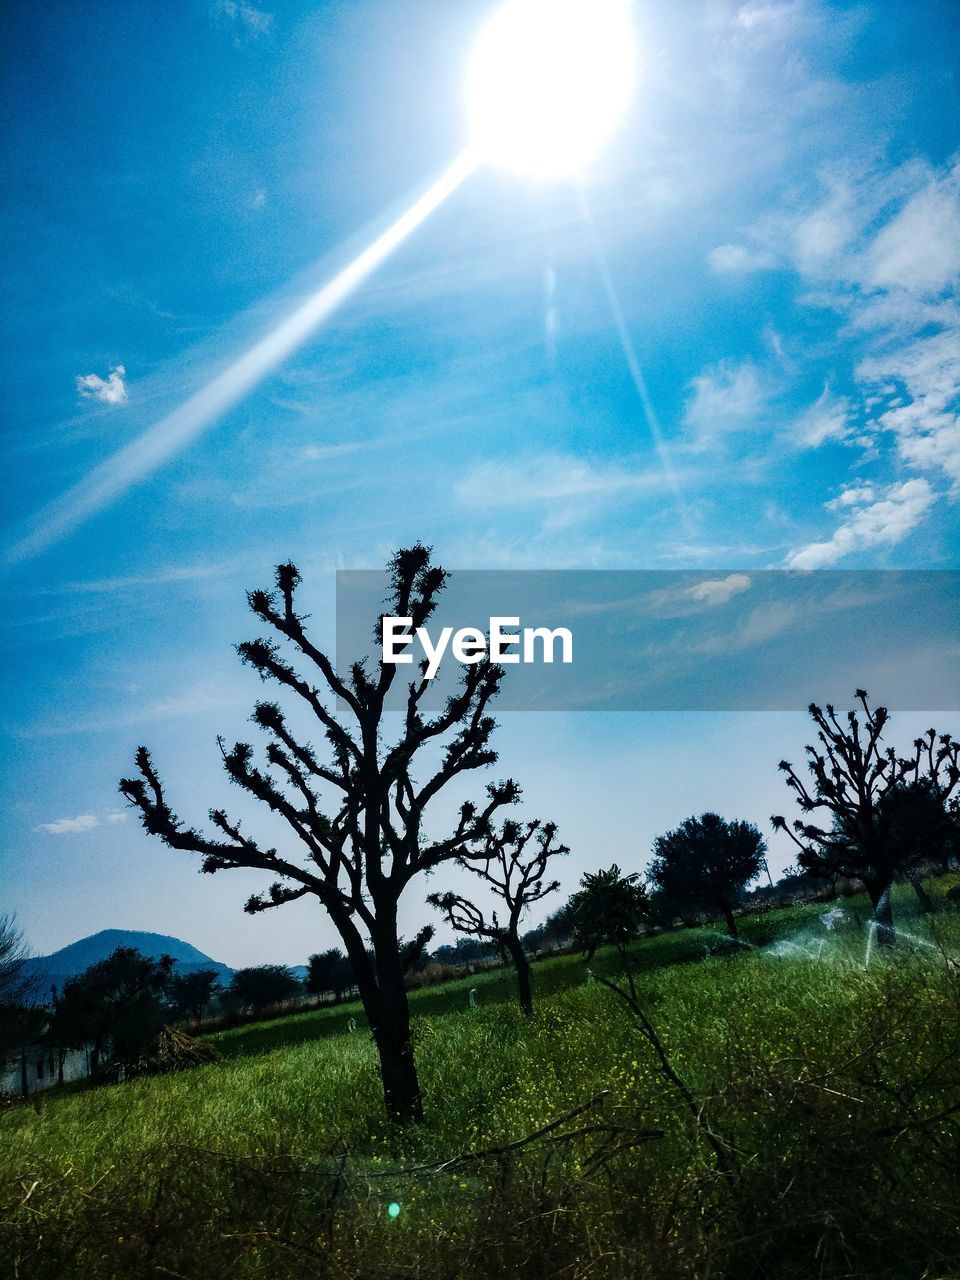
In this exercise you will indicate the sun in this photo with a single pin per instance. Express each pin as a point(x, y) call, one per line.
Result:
point(548, 82)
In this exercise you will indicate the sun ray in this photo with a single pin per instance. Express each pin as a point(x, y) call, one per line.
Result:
point(633, 365)
point(138, 460)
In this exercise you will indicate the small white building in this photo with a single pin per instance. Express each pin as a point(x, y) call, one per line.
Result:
point(37, 1066)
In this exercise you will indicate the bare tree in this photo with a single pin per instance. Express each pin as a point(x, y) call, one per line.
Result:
point(359, 850)
point(17, 989)
point(513, 861)
point(15, 982)
point(855, 779)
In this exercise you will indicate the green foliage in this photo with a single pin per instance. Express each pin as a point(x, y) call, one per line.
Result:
point(706, 863)
point(263, 985)
point(607, 908)
point(118, 1004)
point(191, 994)
point(328, 971)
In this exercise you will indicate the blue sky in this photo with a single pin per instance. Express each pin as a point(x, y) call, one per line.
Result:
point(778, 215)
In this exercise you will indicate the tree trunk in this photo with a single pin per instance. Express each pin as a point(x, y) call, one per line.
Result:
point(385, 1004)
point(522, 966)
point(926, 903)
point(398, 1070)
point(731, 923)
point(882, 912)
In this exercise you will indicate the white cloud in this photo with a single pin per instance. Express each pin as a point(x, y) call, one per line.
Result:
point(117, 817)
point(851, 498)
point(821, 236)
point(258, 199)
point(716, 591)
point(919, 386)
point(828, 418)
point(881, 248)
point(69, 826)
point(109, 390)
point(873, 522)
point(919, 249)
point(738, 259)
point(726, 397)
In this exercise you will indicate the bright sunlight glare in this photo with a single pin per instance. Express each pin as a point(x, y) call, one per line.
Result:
point(140, 458)
point(548, 82)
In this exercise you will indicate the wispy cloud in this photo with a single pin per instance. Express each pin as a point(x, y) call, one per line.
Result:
point(200, 700)
point(739, 259)
point(919, 389)
point(828, 418)
point(69, 826)
point(919, 249)
point(252, 22)
point(161, 577)
point(873, 522)
point(552, 477)
point(726, 397)
point(881, 248)
point(82, 822)
point(109, 390)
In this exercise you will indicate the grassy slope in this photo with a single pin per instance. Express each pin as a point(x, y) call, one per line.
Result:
point(827, 1079)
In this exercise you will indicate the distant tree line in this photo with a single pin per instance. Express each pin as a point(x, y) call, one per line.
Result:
point(890, 818)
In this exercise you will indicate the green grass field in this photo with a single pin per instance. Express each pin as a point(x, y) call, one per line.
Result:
point(833, 1090)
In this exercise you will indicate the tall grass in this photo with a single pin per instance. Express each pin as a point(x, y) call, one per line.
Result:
point(835, 1088)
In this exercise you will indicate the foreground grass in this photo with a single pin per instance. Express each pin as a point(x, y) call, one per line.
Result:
point(833, 1089)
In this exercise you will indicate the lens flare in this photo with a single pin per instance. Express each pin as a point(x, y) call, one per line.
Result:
point(138, 460)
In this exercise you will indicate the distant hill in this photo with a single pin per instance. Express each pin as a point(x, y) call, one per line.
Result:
point(79, 956)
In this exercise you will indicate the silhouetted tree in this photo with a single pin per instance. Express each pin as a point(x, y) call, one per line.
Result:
point(193, 992)
point(362, 851)
point(329, 971)
point(414, 955)
point(706, 863)
point(555, 931)
point(513, 861)
point(17, 1019)
point(608, 908)
point(465, 952)
point(852, 775)
point(913, 823)
point(118, 1002)
point(262, 985)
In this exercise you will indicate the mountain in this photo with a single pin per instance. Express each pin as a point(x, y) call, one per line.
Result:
point(79, 956)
